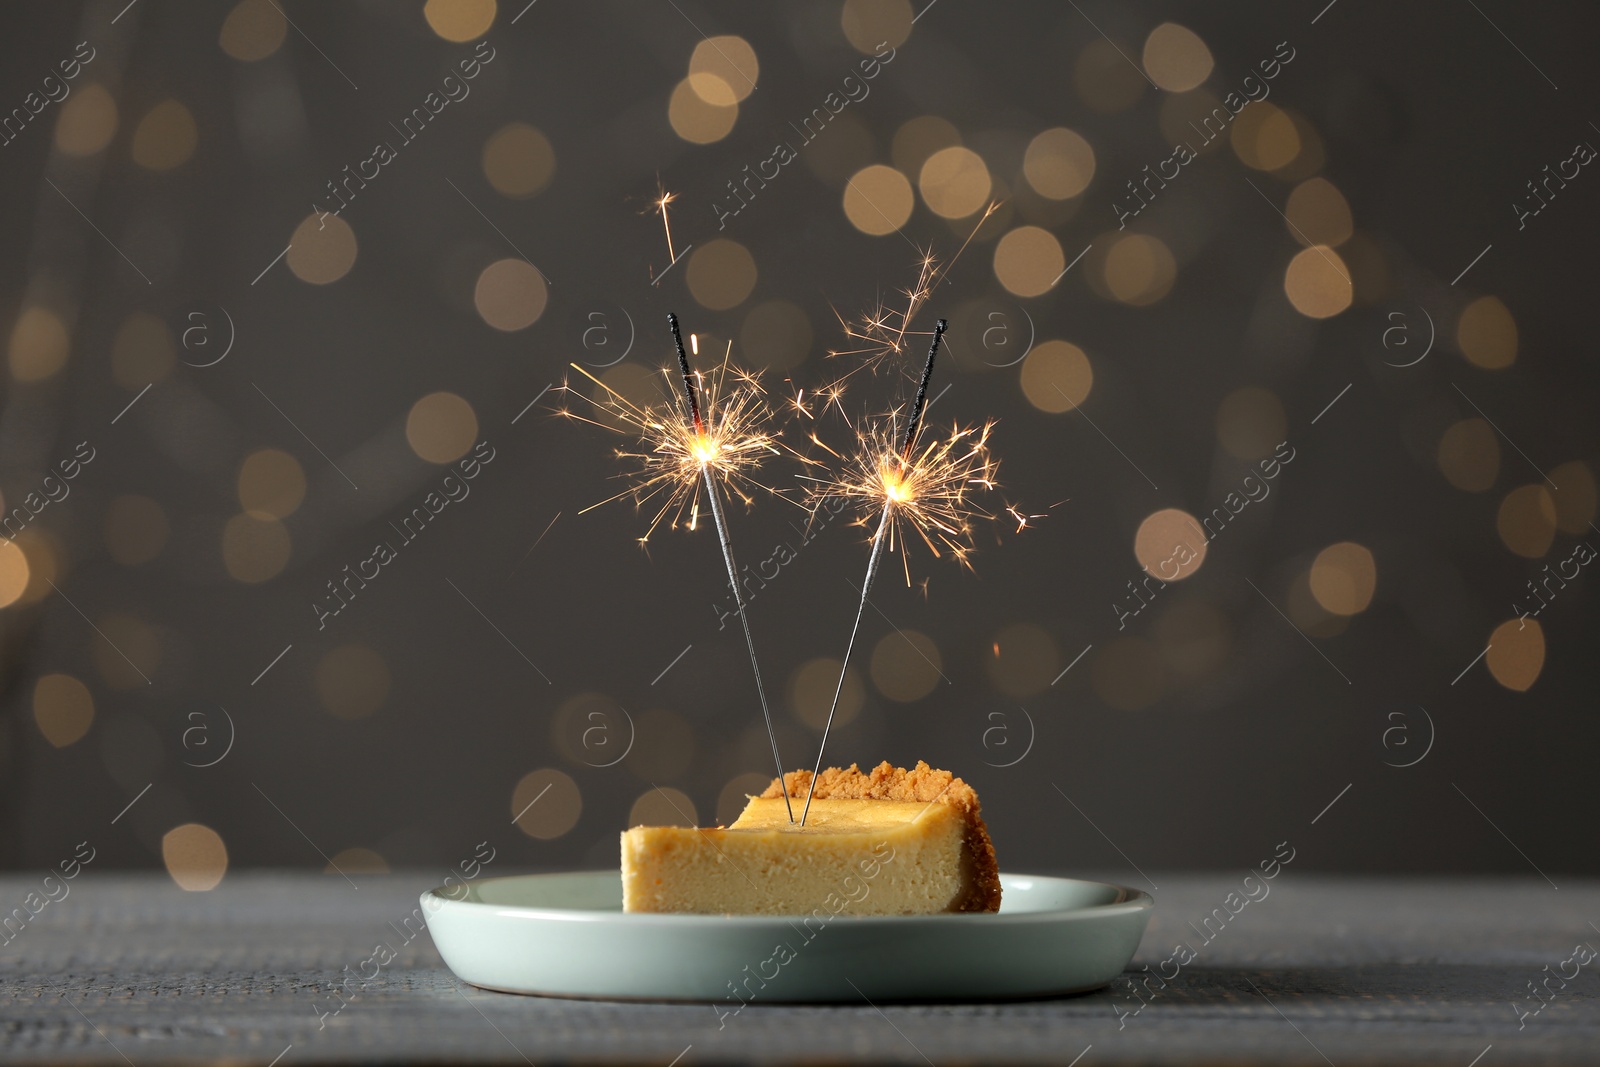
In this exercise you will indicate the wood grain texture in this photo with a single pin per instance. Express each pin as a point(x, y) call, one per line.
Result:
point(129, 969)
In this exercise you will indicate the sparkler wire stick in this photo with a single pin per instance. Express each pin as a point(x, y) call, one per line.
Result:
point(921, 402)
point(689, 389)
point(692, 395)
point(917, 407)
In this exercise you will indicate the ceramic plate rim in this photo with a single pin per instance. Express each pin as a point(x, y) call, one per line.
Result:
point(1130, 900)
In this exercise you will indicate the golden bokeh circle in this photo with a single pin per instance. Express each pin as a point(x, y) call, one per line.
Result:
point(1170, 544)
point(1343, 578)
point(142, 351)
point(811, 689)
point(905, 665)
point(546, 804)
point(165, 138)
point(459, 20)
point(518, 161)
point(1516, 653)
point(1251, 422)
point(713, 89)
point(1139, 269)
point(255, 548)
point(441, 427)
point(46, 559)
point(87, 122)
point(878, 200)
point(1176, 58)
point(1487, 334)
point(1310, 156)
point(1056, 376)
point(729, 60)
point(1129, 673)
point(136, 529)
point(322, 249)
point(1469, 455)
point(510, 295)
point(721, 273)
point(776, 336)
point(1526, 520)
point(1028, 260)
point(39, 345)
point(1265, 137)
point(1318, 214)
point(14, 572)
point(1059, 163)
point(1317, 282)
point(253, 30)
point(271, 484)
point(955, 182)
point(63, 709)
point(1022, 660)
point(696, 121)
point(663, 806)
point(868, 24)
point(352, 681)
point(195, 856)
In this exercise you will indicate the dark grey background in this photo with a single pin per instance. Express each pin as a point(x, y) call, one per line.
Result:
point(1431, 122)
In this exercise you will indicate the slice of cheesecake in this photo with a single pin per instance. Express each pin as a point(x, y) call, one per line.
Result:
point(889, 841)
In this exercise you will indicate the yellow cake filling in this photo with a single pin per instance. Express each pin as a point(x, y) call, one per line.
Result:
point(861, 854)
point(829, 816)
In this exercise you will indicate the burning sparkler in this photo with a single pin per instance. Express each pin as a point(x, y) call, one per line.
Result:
point(705, 449)
point(929, 490)
point(719, 436)
point(716, 441)
point(926, 490)
point(674, 453)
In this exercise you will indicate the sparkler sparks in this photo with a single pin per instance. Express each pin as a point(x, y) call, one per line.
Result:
point(662, 200)
point(716, 441)
point(880, 334)
point(879, 337)
point(713, 436)
point(725, 437)
point(926, 490)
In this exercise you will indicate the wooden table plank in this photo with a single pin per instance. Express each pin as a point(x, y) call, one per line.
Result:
point(1325, 970)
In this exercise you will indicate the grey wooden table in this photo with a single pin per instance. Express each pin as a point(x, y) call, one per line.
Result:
point(129, 969)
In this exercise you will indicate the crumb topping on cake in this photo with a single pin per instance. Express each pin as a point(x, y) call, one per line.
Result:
point(884, 782)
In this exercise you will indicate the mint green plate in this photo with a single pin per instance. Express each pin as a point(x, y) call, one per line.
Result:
point(566, 935)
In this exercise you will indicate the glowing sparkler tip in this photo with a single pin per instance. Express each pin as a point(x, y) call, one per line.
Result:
point(896, 489)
